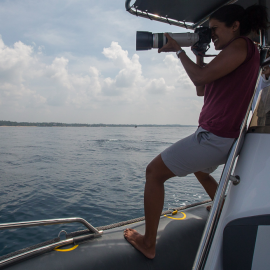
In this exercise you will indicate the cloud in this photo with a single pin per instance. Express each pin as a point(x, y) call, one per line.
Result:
point(17, 67)
point(28, 82)
point(158, 86)
point(129, 80)
point(130, 75)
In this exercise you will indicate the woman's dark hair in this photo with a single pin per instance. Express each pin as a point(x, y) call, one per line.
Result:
point(253, 18)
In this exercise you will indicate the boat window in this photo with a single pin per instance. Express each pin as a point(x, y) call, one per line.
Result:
point(260, 121)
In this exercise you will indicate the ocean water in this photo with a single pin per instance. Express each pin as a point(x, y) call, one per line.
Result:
point(96, 173)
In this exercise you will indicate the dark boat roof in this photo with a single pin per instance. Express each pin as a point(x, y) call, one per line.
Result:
point(188, 10)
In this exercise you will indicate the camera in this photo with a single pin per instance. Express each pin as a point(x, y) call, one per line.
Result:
point(200, 38)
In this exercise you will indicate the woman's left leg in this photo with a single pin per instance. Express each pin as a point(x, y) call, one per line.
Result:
point(156, 174)
point(208, 182)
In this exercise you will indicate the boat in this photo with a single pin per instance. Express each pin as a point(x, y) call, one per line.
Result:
point(235, 236)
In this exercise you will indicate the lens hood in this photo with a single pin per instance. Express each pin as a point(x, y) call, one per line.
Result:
point(144, 40)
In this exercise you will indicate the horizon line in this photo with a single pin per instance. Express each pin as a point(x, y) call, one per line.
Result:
point(5, 122)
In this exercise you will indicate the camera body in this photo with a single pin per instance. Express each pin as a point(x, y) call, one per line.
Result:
point(200, 38)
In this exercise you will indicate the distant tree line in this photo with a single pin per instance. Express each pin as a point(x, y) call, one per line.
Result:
point(54, 124)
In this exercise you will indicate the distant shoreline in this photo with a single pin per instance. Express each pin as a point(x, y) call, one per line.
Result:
point(55, 124)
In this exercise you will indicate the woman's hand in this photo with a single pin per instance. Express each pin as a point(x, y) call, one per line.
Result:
point(171, 46)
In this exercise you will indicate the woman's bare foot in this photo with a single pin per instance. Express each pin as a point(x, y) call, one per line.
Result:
point(137, 240)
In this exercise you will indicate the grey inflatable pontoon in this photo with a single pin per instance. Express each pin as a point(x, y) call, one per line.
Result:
point(178, 239)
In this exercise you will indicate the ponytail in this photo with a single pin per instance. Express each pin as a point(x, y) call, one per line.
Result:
point(254, 18)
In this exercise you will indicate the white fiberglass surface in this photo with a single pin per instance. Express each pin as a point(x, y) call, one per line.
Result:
point(251, 196)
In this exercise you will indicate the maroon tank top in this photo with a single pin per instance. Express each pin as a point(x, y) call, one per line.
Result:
point(227, 98)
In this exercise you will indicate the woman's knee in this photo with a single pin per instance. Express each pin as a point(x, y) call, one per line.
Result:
point(150, 170)
point(158, 171)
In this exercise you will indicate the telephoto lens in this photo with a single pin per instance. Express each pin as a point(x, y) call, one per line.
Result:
point(147, 40)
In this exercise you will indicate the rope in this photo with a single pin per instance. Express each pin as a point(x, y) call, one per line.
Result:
point(168, 20)
point(148, 15)
point(185, 24)
point(127, 222)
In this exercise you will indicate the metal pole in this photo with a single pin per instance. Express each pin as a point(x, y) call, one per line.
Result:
point(24, 224)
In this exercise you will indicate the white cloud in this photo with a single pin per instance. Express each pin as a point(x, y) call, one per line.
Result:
point(17, 67)
point(28, 82)
point(158, 86)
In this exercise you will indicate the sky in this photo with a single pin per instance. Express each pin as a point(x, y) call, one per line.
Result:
point(75, 61)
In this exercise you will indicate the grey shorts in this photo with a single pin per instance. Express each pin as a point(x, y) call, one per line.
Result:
point(202, 151)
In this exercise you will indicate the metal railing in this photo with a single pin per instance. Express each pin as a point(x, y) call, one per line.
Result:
point(34, 223)
point(39, 250)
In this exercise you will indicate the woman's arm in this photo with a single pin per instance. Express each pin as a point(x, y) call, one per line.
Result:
point(200, 89)
point(228, 60)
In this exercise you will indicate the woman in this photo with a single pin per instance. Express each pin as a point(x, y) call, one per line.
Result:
point(226, 98)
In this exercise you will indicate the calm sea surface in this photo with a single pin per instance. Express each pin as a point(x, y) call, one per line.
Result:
point(94, 173)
